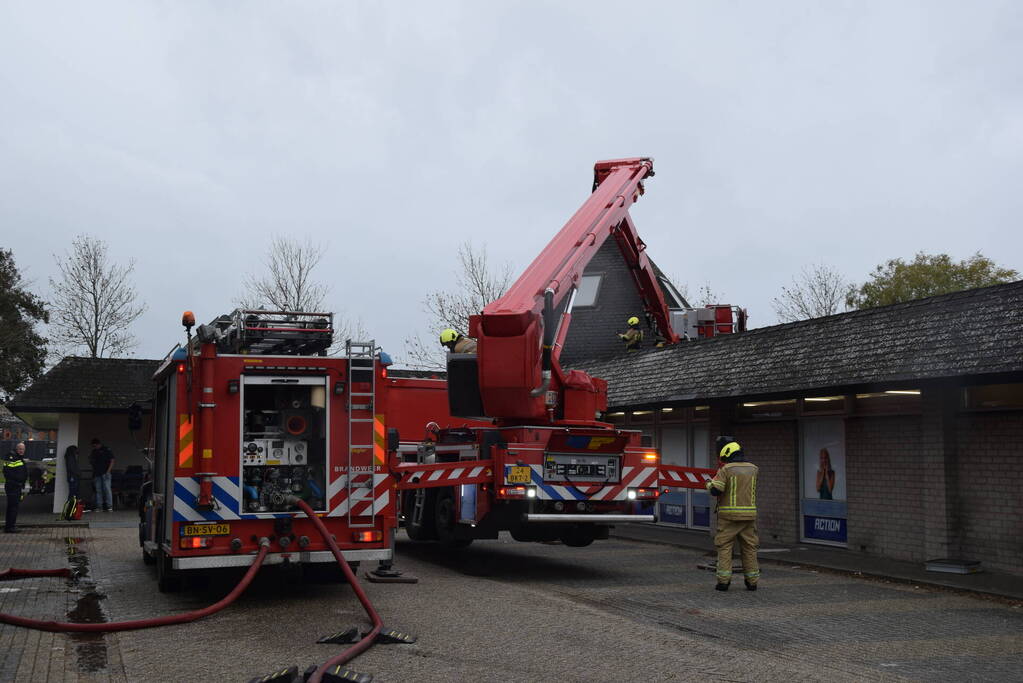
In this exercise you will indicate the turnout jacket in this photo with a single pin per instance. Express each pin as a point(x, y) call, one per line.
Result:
point(15, 469)
point(465, 345)
point(736, 483)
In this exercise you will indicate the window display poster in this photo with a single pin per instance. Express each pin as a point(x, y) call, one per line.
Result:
point(824, 459)
point(824, 485)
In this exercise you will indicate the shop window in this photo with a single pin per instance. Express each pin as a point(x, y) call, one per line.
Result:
point(823, 493)
point(701, 413)
point(900, 401)
point(818, 405)
point(993, 397)
point(674, 445)
point(616, 418)
point(766, 410)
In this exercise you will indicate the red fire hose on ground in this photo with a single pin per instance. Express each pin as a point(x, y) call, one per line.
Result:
point(264, 548)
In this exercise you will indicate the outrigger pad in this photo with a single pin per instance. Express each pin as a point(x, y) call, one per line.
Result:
point(389, 576)
point(349, 635)
point(389, 636)
point(289, 675)
point(338, 674)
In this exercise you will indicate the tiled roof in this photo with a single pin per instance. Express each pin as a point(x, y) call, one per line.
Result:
point(970, 333)
point(89, 385)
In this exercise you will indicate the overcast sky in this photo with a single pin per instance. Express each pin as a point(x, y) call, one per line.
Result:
point(186, 134)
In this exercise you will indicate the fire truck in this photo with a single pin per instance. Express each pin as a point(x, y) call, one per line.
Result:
point(546, 466)
point(250, 415)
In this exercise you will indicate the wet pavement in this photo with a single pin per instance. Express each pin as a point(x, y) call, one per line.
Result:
point(618, 610)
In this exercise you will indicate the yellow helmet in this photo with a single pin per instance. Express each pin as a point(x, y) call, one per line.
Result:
point(727, 446)
point(448, 336)
point(633, 320)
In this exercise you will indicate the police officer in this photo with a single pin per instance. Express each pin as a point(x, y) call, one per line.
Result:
point(735, 487)
point(632, 336)
point(15, 475)
point(454, 342)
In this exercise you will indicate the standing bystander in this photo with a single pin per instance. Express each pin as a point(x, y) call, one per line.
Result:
point(15, 475)
point(102, 461)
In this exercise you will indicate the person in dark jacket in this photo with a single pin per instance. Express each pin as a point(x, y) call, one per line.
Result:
point(71, 469)
point(15, 476)
point(102, 461)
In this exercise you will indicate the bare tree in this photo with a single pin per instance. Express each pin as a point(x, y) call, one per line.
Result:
point(94, 301)
point(289, 284)
point(477, 284)
point(817, 291)
point(704, 296)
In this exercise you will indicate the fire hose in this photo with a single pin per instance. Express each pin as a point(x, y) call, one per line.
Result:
point(264, 548)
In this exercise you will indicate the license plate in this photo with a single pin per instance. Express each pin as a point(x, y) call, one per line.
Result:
point(206, 530)
point(520, 475)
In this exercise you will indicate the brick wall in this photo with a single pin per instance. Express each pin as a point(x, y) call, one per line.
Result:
point(885, 487)
point(773, 447)
point(990, 489)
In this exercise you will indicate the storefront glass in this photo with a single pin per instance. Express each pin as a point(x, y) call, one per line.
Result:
point(824, 484)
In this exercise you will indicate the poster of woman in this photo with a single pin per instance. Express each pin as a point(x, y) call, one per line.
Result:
point(824, 459)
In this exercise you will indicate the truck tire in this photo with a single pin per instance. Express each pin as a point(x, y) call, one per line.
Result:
point(445, 520)
point(148, 559)
point(426, 530)
point(167, 580)
point(578, 538)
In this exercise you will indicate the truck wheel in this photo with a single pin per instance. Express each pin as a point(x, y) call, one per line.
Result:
point(578, 538)
point(445, 521)
point(147, 558)
point(167, 580)
point(426, 530)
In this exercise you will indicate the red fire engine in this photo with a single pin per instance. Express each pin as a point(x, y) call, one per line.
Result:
point(546, 467)
point(251, 415)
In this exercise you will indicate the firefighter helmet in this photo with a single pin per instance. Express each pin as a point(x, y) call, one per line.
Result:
point(633, 321)
point(448, 336)
point(726, 446)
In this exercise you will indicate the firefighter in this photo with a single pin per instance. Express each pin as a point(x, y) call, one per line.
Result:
point(15, 475)
point(456, 343)
point(735, 487)
point(633, 336)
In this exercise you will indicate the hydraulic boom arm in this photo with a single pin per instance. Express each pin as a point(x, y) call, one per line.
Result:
point(520, 335)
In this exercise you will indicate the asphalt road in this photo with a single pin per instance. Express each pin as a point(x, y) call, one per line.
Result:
point(500, 610)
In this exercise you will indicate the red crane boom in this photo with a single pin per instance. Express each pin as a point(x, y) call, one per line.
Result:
point(520, 335)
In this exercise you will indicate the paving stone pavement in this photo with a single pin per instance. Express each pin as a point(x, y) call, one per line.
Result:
point(41, 656)
point(618, 610)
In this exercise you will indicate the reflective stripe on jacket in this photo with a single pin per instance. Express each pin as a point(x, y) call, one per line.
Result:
point(737, 482)
point(632, 338)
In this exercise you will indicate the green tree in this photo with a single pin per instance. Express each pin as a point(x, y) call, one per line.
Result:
point(22, 349)
point(926, 275)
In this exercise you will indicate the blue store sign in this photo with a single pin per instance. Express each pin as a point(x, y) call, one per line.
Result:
point(824, 520)
point(824, 529)
point(671, 507)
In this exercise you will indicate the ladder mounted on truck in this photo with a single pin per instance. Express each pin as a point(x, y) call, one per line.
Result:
point(362, 421)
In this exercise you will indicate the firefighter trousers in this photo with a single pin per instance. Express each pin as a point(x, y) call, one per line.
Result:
point(746, 531)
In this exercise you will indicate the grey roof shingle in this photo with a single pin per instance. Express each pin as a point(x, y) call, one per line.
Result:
point(89, 385)
point(969, 333)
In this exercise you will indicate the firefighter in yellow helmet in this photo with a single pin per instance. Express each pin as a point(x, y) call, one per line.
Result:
point(633, 336)
point(456, 343)
point(735, 487)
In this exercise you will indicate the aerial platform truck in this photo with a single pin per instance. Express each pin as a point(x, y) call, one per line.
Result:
point(250, 414)
point(546, 467)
